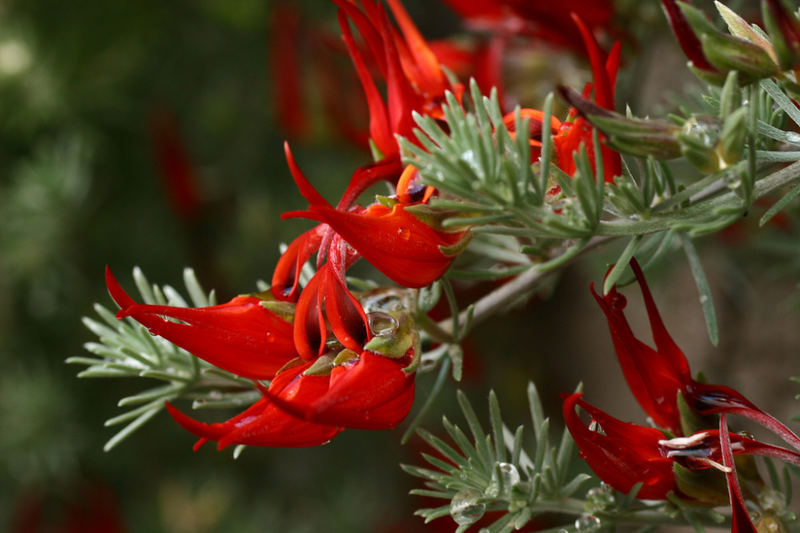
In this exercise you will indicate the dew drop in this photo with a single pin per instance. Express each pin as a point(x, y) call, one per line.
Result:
point(382, 324)
point(587, 523)
point(509, 476)
point(600, 498)
point(465, 507)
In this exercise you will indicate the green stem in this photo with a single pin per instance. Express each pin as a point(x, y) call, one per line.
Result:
point(642, 517)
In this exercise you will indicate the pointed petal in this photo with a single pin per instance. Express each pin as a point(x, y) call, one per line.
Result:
point(741, 520)
point(240, 336)
point(286, 276)
point(393, 240)
point(374, 393)
point(625, 455)
point(651, 380)
point(432, 80)
point(666, 346)
point(344, 312)
point(379, 128)
point(310, 332)
point(387, 169)
point(719, 399)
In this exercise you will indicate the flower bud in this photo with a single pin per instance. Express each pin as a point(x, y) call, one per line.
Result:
point(784, 32)
point(726, 52)
point(639, 137)
point(734, 133)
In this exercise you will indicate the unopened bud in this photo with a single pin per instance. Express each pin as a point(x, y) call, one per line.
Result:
point(784, 32)
point(734, 133)
point(698, 141)
point(639, 137)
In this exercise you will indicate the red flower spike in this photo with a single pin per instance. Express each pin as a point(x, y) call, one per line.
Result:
point(688, 41)
point(263, 423)
point(624, 454)
point(371, 393)
point(240, 336)
point(286, 276)
point(656, 376)
point(741, 520)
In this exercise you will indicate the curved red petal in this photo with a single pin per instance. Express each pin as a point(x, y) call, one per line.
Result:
point(650, 379)
point(627, 454)
point(394, 241)
point(741, 519)
point(379, 128)
point(373, 393)
point(309, 331)
point(240, 336)
point(286, 276)
point(344, 312)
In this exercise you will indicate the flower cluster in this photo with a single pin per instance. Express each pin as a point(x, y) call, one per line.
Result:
point(666, 458)
point(334, 359)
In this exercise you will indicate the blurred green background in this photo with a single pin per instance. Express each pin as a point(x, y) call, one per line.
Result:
point(82, 87)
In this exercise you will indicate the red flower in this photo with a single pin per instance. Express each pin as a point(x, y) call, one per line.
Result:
point(414, 79)
point(572, 134)
point(624, 454)
point(657, 376)
point(548, 21)
point(240, 336)
point(264, 423)
point(392, 239)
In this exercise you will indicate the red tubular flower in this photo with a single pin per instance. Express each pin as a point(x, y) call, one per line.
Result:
point(369, 392)
point(624, 454)
point(393, 240)
point(240, 336)
point(656, 376)
point(548, 21)
point(572, 134)
point(414, 79)
point(264, 423)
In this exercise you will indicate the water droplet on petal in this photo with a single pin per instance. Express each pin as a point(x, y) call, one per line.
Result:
point(587, 523)
point(382, 324)
point(465, 508)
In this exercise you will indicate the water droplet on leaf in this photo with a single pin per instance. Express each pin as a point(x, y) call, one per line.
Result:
point(509, 476)
point(600, 498)
point(465, 508)
point(587, 523)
